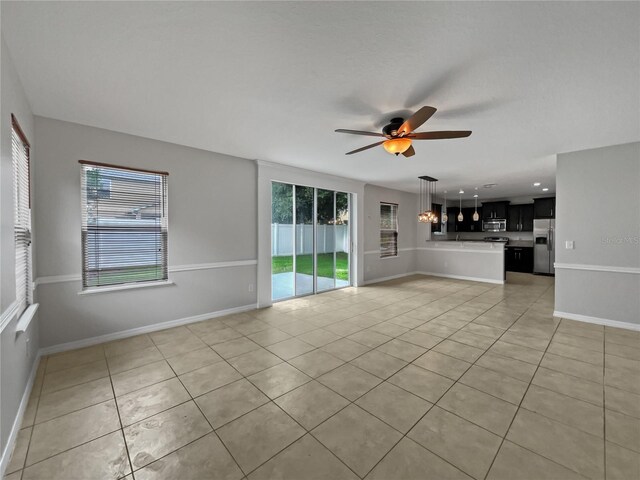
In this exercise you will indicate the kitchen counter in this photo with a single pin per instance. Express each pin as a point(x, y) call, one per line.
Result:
point(520, 243)
point(466, 260)
point(465, 245)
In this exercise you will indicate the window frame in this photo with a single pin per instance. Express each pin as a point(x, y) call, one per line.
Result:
point(163, 229)
point(23, 301)
point(393, 253)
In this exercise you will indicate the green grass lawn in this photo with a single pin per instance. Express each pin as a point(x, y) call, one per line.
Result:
point(129, 275)
point(304, 264)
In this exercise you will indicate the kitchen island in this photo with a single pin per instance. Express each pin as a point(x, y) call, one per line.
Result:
point(466, 260)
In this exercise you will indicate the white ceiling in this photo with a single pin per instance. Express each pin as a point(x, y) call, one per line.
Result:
point(271, 81)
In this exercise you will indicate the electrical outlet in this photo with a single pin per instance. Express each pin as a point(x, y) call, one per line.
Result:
point(251, 287)
point(568, 244)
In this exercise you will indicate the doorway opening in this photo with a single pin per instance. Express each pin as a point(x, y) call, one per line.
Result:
point(310, 240)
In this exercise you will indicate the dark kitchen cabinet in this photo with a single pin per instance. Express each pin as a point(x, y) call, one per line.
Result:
point(467, 224)
point(544, 207)
point(526, 217)
point(491, 210)
point(437, 227)
point(452, 213)
point(520, 218)
point(473, 226)
point(519, 259)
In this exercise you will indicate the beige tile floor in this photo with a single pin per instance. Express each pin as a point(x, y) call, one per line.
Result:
point(416, 378)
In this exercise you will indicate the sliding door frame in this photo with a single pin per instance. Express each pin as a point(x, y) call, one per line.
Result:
point(315, 241)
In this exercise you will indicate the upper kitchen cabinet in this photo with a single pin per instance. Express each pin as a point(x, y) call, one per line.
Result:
point(491, 210)
point(473, 226)
point(520, 218)
point(437, 227)
point(544, 207)
point(467, 224)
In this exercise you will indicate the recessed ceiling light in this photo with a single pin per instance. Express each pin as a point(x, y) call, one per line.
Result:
point(537, 184)
point(461, 192)
point(545, 189)
point(475, 196)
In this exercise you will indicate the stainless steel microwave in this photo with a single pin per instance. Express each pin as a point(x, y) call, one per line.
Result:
point(494, 225)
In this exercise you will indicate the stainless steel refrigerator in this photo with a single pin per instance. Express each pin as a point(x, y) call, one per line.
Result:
point(544, 254)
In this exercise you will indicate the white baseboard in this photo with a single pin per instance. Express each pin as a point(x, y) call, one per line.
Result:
point(17, 422)
point(87, 342)
point(385, 279)
point(462, 277)
point(597, 320)
point(432, 274)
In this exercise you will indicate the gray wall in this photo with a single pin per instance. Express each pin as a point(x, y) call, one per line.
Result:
point(212, 212)
point(598, 208)
point(16, 354)
point(374, 266)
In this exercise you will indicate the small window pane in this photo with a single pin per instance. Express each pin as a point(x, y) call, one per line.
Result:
point(388, 230)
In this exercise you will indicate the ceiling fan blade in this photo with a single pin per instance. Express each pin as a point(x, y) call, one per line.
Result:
point(359, 132)
point(439, 135)
point(409, 152)
point(365, 148)
point(416, 120)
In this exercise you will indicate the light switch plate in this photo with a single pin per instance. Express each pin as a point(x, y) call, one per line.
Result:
point(568, 244)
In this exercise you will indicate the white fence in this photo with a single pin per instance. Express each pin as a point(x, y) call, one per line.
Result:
point(329, 236)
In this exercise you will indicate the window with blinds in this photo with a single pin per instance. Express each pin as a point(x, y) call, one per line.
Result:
point(22, 214)
point(388, 230)
point(124, 225)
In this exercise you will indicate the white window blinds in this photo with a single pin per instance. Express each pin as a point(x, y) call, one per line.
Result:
point(124, 225)
point(388, 230)
point(22, 215)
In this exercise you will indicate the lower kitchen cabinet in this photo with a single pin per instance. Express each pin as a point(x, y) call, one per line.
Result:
point(519, 259)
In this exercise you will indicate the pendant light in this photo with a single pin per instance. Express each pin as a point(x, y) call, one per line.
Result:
point(427, 193)
point(445, 217)
point(460, 216)
point(476, 217)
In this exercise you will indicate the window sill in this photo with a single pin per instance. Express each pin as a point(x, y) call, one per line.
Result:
point(128, 286)
point(26, 317)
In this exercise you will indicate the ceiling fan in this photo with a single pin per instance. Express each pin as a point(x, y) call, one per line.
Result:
point(399, 133)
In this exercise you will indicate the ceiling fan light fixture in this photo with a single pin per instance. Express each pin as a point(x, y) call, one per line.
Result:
point(397, 146)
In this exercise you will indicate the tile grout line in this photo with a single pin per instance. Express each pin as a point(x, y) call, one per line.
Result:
point(213, 430)
point(409, 363)
point(530, 305)
point(520, 406)
point(434, 404)
point(26, 455)
point(270, 400)
point(313, 379)
point(369, 347)
point(115, 401)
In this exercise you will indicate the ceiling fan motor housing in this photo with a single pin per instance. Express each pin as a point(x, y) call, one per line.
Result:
point(391, 129)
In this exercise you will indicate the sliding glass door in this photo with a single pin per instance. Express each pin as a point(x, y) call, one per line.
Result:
point(304, 240)
point(342, 240)
point(325, 252)
point(282, 285)
point(311, 240)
